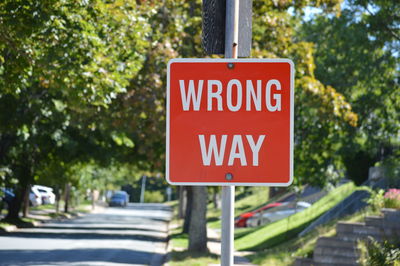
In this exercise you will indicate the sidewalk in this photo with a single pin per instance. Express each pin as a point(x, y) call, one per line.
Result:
point(214, 245)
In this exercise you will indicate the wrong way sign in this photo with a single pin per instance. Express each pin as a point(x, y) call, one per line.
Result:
point(230, 122)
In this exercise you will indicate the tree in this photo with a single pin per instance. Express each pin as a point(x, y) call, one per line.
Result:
point(62, 65)
point(320, 110)
point(198, 222)
point(355, 53)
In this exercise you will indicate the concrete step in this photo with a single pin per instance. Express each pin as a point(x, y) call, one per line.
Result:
point(391, 214)
point(357, 237)
point(379, 221)
point(374, 221)
point(335, 242)
point(357, 230)
point(335, 260)
point(351, 253)
point(389, 229)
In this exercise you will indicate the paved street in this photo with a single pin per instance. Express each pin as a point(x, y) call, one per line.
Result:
point(134, 235)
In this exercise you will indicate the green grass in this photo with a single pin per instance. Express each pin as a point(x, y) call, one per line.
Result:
point(257, 197)
point(172, 203)
point(246, 200)
point(42, 207)
point(179, 254)
point(3, 226)
point(280, 231)
point(20, 223)
point(285, 253)
point(178, 239)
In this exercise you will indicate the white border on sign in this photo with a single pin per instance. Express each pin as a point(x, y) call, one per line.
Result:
point(226, 60)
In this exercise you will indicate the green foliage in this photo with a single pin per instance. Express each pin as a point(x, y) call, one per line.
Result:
point(62, 65)
point(357, 54)
point(391, 166)
point(374, 253)
point(376, 200)
point(392, 199)
point(380, 199)
point(320, 110)
point(83, 83)
point(255, 197)
point(392, 203)
point(153, 196)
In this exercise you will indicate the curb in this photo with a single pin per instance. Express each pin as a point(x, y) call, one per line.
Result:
point(8, 229)
point(169, 249)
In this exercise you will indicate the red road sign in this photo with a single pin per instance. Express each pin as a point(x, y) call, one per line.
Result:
point(230, 122)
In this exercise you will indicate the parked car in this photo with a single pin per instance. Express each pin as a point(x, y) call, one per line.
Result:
point(241, 221)
point(35, 198)
point(7, 196)
point(119, 198)
point(278, 213)
point(46, 193)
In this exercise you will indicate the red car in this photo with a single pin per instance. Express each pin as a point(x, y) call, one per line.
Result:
point(242, 219)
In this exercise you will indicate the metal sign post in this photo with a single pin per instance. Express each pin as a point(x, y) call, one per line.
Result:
point(228, 192)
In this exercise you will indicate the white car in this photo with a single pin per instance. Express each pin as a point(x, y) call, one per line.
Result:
point(277, 213)
point(35, 198)
point(46, 193)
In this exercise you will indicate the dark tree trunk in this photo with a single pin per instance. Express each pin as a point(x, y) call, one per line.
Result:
point(198, 221)
point(188, 212)
point(57, 194)
point(67, 197)
point(15, 205)
point(182, 202)
point(25, 209)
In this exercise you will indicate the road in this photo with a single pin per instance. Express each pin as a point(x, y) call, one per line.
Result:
point(135, 235)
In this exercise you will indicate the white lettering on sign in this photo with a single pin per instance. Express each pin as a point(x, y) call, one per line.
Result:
point(277, 97)
point(216, 95)
point(237, 149)
point(207, 153)
point(192, 95)
point(255, 97)
point(231, 107)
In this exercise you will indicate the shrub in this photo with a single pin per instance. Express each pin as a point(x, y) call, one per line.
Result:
point(392, 198)
point(153, 197)
point(374, 253)
point(379, 199)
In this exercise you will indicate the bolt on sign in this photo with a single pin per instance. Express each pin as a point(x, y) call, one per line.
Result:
point(230, 122)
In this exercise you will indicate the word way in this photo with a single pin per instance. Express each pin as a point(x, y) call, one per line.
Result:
point(237, 151)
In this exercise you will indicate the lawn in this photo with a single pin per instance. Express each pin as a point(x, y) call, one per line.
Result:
point(285, 253)
point(247, 199)
point(280, 231)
